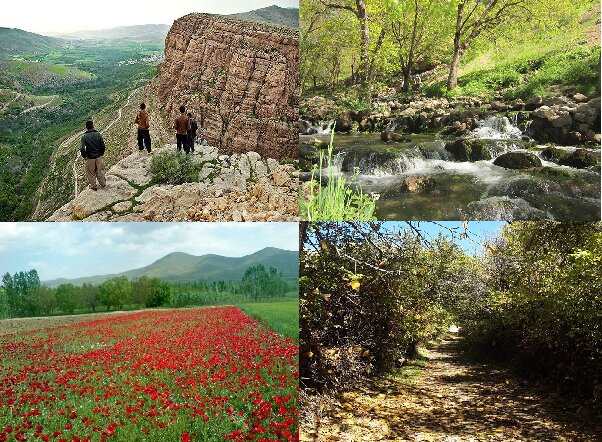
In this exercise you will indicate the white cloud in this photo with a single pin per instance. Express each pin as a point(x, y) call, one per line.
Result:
point(63, 16)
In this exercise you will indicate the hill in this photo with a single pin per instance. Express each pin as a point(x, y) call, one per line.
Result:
point(275, 15)
point(16, 41)
point(181, 267)
point(148, 34)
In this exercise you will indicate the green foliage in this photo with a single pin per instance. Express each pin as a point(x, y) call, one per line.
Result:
point(172, 167)
point(258, 283)
point(334, 200)
point(67, 298)
point(542, 308)
point(115, 292)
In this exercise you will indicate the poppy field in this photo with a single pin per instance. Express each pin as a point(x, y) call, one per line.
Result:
point(208, 374)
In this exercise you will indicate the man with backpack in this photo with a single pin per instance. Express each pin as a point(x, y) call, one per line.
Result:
point(181, 125)
point(192, 128)
point(92, 148)
point(143, 122)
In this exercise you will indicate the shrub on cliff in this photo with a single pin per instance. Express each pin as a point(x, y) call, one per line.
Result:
point(171, 167)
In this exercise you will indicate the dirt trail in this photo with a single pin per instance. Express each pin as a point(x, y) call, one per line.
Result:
point(40, 106)
point(455, 400)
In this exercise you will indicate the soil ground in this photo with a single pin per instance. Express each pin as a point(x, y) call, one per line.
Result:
point(455, 400)
point(17, 325)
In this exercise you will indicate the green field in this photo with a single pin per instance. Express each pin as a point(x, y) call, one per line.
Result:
point(282, 317)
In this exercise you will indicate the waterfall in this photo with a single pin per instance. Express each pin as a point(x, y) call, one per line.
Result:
point(496, 128)
point(320, 128)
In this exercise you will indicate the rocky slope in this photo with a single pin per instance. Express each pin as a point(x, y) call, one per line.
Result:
point(241, 79)
point(239, 187)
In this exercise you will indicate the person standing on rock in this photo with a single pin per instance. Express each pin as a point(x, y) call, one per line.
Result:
point(143, 122)
point(181, 125)
point(92, 148)
point(192, 128)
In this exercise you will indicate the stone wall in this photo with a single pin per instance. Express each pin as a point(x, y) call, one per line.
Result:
point(240, 79)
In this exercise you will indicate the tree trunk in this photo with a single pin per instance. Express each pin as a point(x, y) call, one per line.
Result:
point(365, 41)
point(452, 80)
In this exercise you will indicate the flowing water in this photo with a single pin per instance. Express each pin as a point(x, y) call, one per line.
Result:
point(462, 190)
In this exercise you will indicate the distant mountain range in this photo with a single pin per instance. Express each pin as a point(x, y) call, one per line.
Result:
point(16, 41)
point(287, 17)
point(182, 267)
point(149, 34)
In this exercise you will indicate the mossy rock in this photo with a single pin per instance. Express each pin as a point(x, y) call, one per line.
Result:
point(469, 150)
point(580, 159)
point(517, 160)
point(554, 154)
point(552, 171)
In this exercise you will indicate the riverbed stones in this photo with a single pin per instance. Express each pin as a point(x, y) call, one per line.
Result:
point(469, 150)
point(517, 160)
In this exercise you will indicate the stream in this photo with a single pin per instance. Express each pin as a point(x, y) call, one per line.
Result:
point(418, 179)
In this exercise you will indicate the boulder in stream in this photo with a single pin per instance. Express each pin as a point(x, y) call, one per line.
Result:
point(388, 135)
point(554, 154)
point(418, 184)
point(517, 160)
point(580, 159)
point(469, 150)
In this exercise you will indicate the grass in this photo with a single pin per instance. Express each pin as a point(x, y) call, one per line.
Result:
point(334, 200)
point(575, 69)
point(282, 317)
point(411, 373)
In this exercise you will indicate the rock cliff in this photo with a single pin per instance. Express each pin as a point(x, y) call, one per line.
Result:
point(240, 79)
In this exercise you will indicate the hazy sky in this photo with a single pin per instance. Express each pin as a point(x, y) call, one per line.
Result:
point(60, 16)
point(74, 250)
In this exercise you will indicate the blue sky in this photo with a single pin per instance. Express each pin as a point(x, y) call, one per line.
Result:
point(478, 231)
point(63, 16)
point(84, 249)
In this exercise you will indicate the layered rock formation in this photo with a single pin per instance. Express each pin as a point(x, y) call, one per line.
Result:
point(240, 79)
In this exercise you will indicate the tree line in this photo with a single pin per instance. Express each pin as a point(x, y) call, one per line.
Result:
point(22, 294)
point(363, 41)
point(371, 294)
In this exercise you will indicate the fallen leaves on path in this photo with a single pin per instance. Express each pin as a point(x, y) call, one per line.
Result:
point(455, 401)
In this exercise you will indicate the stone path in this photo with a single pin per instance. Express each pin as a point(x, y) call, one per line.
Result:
point(455, 400)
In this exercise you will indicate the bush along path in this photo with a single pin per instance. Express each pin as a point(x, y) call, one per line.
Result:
point(455, 399)
point(207, 186)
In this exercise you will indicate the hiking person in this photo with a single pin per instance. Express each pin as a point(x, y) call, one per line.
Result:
point(181, 125)
point(92, 148)
point(143, 122)
point(192, 128)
